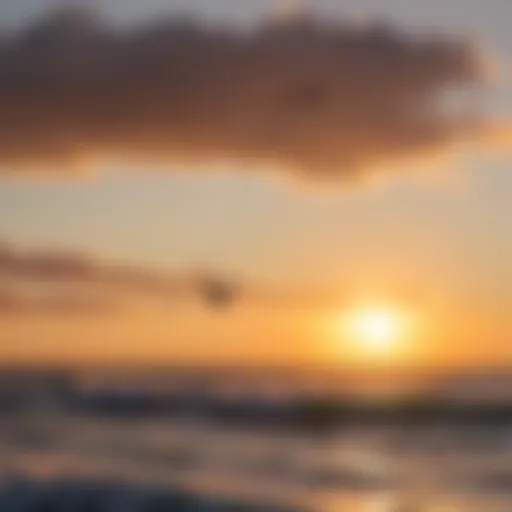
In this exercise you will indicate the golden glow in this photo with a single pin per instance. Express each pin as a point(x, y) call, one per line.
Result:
point(373, 332)
point(376, 329)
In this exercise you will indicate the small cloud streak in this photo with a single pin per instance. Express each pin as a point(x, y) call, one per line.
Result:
point(16, 303)
point(318, 100)
point(75, 268)
point(60, 282)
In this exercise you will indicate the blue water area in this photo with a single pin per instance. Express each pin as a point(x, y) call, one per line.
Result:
point(24, 495)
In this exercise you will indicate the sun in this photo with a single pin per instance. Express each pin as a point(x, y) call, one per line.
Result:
point(375, 331)
point(376, 328)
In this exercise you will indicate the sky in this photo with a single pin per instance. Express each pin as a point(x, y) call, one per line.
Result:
point(436, 243)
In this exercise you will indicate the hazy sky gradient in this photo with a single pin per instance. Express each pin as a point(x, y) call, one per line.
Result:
point(445, 239)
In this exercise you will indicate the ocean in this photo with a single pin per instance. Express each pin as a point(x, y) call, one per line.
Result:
point(424, 466)
point(369, 469)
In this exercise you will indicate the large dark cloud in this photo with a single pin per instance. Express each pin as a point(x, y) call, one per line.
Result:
point(322, 100)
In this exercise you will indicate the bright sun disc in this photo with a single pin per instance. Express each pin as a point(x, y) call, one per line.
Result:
point(375, 330)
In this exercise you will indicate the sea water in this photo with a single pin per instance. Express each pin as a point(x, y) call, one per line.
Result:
point(354, 469)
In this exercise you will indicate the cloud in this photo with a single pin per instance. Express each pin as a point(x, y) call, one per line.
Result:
point(319, 100)
point(61, 267)
point(15, 304)
point(61, 282)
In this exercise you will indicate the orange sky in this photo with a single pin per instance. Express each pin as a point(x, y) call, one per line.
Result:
point(303, 181)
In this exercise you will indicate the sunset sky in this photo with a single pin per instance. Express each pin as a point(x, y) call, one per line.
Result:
point(304, 245)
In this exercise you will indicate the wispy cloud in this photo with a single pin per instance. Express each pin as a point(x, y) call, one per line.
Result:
point(61, 282)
